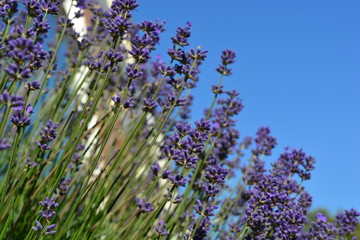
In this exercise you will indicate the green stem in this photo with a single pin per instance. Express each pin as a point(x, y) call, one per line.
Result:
point(7, 28)
point(4, 120)
point(48, 70)
point(129, 228)
point(214, 99)
point(11, 162)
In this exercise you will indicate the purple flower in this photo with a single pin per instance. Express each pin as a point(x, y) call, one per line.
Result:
point(210, 190)
point(48, 205)
point(93, 64)
point(4, 97)
point(4, 145)
point(149, 105)
point(294, 162)
point(197, 55)
point(160, 229)
point(21, 120)
point(63, 186)
point(321, 228)
point(144, 207)
point(178, 199)
point(166, 174)
point(48, 134)
point(215, 173)
point(217, 89)
point(20, 49)
point(124, 5)
point(182, 35)
point(209, 210)
point(32, 86)
point(203, 125)
point(33, 7)
point(183, 128)
point(114, 57)
point(177, 180)
point(116, 26)
point(49, 230)
point(41, 26)
point(133, 73)
point(227, 58)
point(155, 168)
point(264, 142)
point(321, 217)
point(82, 4)
point(30, 164)
point(37, 226)
point(128, 103)
point(50, 7)
point(117, 99)
point(347, 222)
point(141, 55)
point(16, 72)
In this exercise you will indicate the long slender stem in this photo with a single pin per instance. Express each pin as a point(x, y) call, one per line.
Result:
point(11, 162)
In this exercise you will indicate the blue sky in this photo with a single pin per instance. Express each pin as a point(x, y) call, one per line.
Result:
point(297, 71)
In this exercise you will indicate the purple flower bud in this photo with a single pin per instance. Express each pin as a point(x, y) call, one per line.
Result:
point(49, 203)
point(33, 7)
point(149, 105)
point(347, 222)
point(182, 35)
point(160, 229)
point(217, 89)
point(155, 168)
point(49, 230)
point(177, 180)
point(197, 55)
point(32, 86)
point(320, 217)
point(48, 134)
point(210, 190)
point(22, 120)
point(203, 125)
point(114, 57)
point(117, 26)
point(37, 226)
point(143, 206)
point(133, 73)
point(209, 210)
point(4, 97)
point(30, 164)
point(178, 199)
point(4, 145)
point(166, 174)
point(117, 99)
point(128, 103)
point(141, 55)
point(50, 7)
point(264, 142)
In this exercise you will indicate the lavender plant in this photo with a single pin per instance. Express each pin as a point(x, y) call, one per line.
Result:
point(96, 140)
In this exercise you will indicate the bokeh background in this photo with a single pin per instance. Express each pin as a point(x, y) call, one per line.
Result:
point(297, 71)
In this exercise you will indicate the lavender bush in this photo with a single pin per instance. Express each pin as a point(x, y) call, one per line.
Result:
point(96, 140)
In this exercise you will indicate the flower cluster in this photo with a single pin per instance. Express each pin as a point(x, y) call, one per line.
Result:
point(47, 134)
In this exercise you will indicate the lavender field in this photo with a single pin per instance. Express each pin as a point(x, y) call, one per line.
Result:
point(98, 138)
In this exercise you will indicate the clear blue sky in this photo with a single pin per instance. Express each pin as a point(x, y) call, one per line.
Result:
point(297, 70)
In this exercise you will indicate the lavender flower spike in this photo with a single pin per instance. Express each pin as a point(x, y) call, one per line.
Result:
point(143, 206)
point(48, 205)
